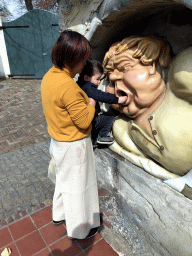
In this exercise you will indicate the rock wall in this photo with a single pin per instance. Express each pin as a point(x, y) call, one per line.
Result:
point(77, 15)
point(104, 22)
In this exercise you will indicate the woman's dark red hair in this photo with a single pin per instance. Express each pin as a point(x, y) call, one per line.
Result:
point(70, 48)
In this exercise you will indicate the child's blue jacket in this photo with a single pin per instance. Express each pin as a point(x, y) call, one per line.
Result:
point(93, 92)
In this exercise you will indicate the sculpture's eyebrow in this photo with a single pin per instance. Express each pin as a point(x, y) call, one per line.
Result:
point(121, 59)
point(112, 63)
point(110, 66)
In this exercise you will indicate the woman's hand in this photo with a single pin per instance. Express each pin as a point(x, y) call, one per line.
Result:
point(122, 100)
point(92, 102)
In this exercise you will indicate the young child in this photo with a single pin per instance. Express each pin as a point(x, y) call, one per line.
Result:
point(89, 80)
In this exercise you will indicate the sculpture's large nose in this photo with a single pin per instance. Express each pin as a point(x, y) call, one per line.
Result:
point(116, 78)
point(116, 75)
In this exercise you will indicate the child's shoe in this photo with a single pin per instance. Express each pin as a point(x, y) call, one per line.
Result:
point(105, 140)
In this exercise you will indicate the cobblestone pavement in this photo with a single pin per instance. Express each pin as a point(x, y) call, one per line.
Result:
point(21, 117)
point(24, 148)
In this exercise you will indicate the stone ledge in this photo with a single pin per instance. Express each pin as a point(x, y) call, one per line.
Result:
point(153, 218)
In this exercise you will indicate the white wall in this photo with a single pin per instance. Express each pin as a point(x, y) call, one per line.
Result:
point(4, 62)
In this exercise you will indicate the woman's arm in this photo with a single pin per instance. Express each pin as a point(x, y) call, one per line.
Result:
point(79, 107)
point(92, 102)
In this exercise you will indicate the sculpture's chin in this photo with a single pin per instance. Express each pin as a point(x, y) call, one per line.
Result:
point(129, 113)
point(124, 111)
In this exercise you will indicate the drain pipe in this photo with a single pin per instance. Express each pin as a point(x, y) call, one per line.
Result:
point(93, 26)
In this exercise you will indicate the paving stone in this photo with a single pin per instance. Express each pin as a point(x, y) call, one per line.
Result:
point(3, 192)
point(2, 220)
point(25, 189)
point(18, 208)
point(24, 124)
point(42, 205)
point(34, 202)
point(10, 220)
point(30, 210)
point(17, 216)
point(23, 213)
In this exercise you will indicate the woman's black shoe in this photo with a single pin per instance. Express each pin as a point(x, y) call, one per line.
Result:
point(92, 232)
point(57, 223)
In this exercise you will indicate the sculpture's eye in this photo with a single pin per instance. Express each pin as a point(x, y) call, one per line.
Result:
point(123, 69)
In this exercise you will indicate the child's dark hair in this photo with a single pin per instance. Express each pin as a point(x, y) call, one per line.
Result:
point(90, 68)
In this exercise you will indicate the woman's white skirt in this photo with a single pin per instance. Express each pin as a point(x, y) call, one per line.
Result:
point(76, 194)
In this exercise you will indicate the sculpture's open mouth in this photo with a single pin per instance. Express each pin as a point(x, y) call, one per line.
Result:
point(120, 93)
point(166, 18)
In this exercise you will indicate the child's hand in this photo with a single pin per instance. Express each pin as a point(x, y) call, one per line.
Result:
point(122, 100)
point(92, 102)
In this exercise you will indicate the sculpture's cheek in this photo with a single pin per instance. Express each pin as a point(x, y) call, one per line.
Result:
point(137, 78)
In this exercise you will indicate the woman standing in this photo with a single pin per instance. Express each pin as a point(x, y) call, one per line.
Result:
point(69, 113)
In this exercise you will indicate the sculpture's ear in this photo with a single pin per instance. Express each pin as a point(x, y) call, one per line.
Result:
point(152, 69)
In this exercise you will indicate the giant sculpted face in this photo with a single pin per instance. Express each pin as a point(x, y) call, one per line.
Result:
point(134, 68)
point(158, 113)
point(135, 80)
